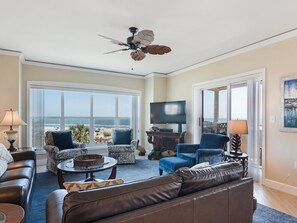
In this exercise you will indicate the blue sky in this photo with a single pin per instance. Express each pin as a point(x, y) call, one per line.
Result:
point(238, 104)
point(78, 104)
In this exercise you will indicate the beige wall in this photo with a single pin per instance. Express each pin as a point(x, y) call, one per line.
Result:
point(41, 73)
point(155, 91)
point(9, 89)
point(279, 59)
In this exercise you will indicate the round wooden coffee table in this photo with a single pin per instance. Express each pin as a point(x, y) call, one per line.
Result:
point(68, 167)
point(12, 213)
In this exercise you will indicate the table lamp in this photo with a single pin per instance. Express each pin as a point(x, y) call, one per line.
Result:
point(237, 128)
point(11, 118)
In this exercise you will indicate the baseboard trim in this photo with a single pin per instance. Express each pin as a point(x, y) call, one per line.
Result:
point(281, 187)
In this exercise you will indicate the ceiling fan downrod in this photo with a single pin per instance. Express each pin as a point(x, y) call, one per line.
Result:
point(132, 45)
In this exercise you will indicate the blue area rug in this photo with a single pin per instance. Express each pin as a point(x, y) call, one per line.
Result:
point(265, 214)
point(143, 169)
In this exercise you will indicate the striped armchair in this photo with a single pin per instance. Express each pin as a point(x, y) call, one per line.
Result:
point(57, 153)
point(122, 146)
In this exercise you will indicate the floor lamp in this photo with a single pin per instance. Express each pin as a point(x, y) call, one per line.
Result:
point(11, 119)
point(237, 128)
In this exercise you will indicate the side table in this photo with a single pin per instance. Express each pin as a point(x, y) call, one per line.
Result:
point(13, 213)
point(242, 158)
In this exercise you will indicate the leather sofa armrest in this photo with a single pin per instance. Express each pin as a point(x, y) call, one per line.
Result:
point(24, 155)
point(186, 148)
point(54, 206)
point(12, 194)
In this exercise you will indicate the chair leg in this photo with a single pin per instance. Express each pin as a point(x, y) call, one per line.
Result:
point(160, 172)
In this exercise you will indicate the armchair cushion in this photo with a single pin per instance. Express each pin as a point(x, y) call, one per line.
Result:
point(63, 139)
point(209, 155)
point(121, 136)
point(190, 157)
point(213, 141)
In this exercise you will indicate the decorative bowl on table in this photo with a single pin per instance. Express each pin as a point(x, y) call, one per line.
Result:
point(90, 160)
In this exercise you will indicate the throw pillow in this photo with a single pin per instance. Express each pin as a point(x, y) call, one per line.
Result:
point(73, 186)
point(63, 139)
point(200, 165)
point(121, 136)
point(3, 167)
point(5, 154)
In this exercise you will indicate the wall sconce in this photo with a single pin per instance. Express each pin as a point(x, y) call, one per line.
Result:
point(11, 118)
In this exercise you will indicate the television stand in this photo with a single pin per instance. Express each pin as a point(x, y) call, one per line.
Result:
point(180, 127)
point(164, 142)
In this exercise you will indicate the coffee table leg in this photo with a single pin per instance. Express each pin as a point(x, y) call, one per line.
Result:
point(113, 173)
point(60, 179)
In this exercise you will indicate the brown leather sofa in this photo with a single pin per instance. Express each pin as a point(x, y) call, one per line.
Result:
point(212, 194)
point(16, 183)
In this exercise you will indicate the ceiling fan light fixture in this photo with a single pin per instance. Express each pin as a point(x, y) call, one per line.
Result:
point(137, 55)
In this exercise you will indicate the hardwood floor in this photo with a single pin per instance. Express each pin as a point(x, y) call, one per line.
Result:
point(278, 200)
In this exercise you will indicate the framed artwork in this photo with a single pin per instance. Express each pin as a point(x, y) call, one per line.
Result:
point(289, 104)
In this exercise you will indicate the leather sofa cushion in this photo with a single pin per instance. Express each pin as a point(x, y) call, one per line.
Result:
point(96, 204)
point(25, 172)
point(199, 179)
point(21, 164)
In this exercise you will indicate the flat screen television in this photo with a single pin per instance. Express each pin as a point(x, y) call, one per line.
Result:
point(172, 112)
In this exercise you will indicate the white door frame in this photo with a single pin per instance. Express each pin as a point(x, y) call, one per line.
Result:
point(226, 81)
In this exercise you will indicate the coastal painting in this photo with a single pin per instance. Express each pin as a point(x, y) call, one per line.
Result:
point(289, 104)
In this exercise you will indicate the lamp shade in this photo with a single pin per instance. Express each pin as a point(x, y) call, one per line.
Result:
point(237, 127)
point(12, 118)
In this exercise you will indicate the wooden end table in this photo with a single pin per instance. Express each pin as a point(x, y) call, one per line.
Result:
point(68, 167)
point(242, 158)
point(13, 213)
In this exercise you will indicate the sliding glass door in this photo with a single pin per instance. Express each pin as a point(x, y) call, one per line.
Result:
point(214, 114)
point(241, 98)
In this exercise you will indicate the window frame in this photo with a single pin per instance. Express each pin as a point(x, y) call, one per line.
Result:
point(92, 89)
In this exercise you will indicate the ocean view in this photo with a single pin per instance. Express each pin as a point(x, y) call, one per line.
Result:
point(99, 122)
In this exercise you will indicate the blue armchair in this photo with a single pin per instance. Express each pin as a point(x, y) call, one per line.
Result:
point(210, 149)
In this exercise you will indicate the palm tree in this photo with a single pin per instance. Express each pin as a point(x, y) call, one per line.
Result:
point(80, 133)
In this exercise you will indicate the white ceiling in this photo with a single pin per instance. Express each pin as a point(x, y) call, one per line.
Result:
point(65, 31)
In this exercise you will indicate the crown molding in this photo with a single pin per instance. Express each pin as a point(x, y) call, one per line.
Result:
point(261, 43)
point(81, 69)
point(155, 75)
point(11, 52)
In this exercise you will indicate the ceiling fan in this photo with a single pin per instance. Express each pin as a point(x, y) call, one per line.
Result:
point(139, 44)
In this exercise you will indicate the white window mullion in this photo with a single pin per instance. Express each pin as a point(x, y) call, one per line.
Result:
point(117, 121)
point(134, 116)
point(62, 120)
point(92, 121)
